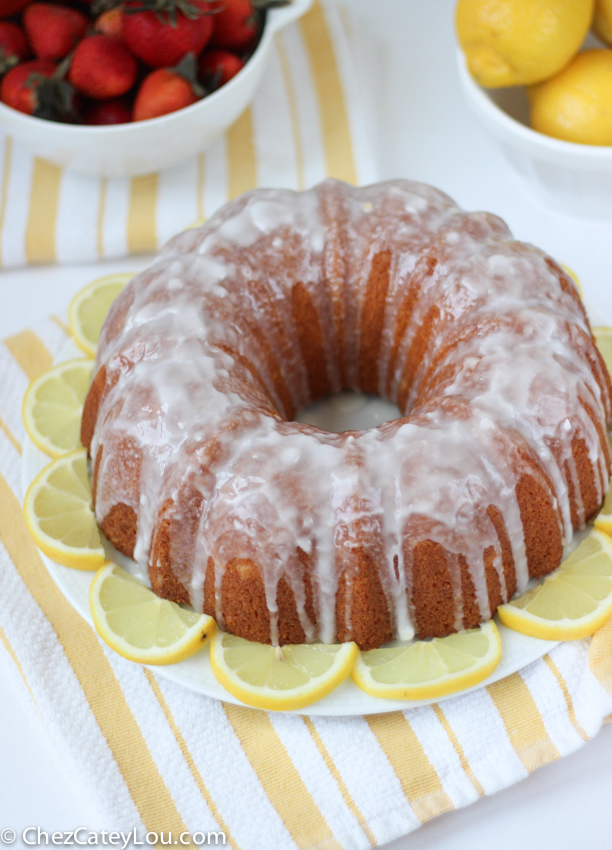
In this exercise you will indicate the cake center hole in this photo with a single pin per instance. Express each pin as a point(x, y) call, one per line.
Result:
point(348, 411)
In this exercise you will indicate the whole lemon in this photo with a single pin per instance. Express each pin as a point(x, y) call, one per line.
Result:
point(576, 104)
point(519, 42)
point(602, 23)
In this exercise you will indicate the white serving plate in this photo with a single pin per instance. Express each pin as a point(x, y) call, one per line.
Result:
point(196, 673)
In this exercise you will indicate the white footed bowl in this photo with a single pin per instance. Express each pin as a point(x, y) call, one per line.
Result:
point(160, 143)
point(576, 179)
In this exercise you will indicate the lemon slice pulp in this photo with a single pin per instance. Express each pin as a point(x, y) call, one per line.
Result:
point(89, 307)
point(427, 669)
point(573, 602)
point(53, 406)
point(139, 625)
point(59, 514)
point(279, 678)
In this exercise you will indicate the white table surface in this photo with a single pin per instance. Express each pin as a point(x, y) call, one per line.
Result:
point(424, 132)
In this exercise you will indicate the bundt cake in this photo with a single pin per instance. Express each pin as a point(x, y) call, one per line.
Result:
point(286, 533)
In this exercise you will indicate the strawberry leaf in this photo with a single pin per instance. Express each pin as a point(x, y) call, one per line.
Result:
point(187, 68)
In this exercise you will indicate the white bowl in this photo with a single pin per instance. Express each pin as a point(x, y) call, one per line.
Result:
point(160, 143)
point(570, 177)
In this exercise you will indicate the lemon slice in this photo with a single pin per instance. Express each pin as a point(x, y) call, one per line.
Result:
point(279, 678)
point(603, 338)
point(58, 512)
point(53, 405)
point(603, 520)
point(572, 602)
point(139, 625)
point(574, 277)
point(427, 669)
point(89, 307)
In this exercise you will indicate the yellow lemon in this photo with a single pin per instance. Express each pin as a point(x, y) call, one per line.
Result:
point(428, 669)
point(602, 23)
point(519, 42)
point(576, 104)
point(573, 602)
point(279, 678)
point(139, 625)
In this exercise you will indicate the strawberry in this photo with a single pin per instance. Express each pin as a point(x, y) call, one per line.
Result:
point(162, 35)
point(217, 67)
point(11, 7)
point(37, 88)
point(235, 24)
point(167, 89)
point(115, 111)
point(13, 46)
point(102, 67)
point(53, 30)
point(110, 22)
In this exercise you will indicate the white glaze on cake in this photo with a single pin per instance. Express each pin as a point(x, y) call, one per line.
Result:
point(274, 485)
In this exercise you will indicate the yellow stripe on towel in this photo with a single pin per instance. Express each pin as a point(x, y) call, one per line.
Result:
point(44, 200)
point(418, 777)
point(10, 436)
point(189, 759)
point(30, 352)
point(280, 779)
point(295, 120)
point(339, 159)
point(566, 695)
point(92, 669)
point(7, 645)
point(523, 722)
point(450, 732)
point(142, 218)
point(600, 656)
point(351, 804)
point(241, 160)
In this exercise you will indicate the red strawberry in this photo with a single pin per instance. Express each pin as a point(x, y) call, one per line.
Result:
point(115, 111)
point(53, 30)
point(19, 86)
point(102, 67)
point(11, 7)
point(110, 22)
point(13, 46)
point(217, 67)
point(164, 90)
point(163, 37)
point(235, 24)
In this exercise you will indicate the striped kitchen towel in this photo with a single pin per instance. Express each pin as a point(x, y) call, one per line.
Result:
point(306, 123)
point(155, 757)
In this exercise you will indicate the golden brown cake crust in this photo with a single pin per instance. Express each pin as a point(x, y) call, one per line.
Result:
point(389, 292)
